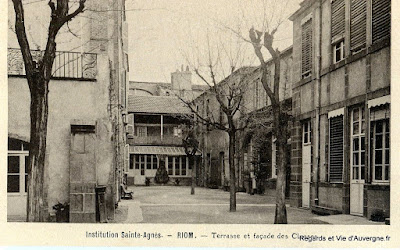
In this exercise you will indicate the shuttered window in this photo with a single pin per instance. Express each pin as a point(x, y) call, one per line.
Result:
point(381, 12)
point(338, 20)
point(306, 48)
point(358, 24)
point(336, 149)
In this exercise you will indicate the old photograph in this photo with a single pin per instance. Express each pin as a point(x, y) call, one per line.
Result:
point(199, 112)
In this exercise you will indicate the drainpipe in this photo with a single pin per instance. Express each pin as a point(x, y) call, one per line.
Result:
point(318, 108)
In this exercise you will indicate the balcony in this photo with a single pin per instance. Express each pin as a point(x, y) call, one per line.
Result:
point(67, 65)
point(156, 140)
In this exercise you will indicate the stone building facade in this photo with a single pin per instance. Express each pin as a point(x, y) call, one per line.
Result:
point(87, 108)
point(255, 156)
point(341, 103)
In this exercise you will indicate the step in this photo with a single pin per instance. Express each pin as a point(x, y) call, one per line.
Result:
point(324, 210)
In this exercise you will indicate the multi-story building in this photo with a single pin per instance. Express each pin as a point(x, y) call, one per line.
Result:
point(255, 156)
point(158, 120)
point(341, 103)
point(87, 99)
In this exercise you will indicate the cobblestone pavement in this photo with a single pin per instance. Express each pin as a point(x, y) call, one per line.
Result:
point(172, 204)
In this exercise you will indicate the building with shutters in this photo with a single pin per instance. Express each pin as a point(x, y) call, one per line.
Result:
point(87, 100)
point(341, 104)
point(157, 122)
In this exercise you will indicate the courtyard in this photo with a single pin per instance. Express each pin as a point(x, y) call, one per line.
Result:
point(175, 205)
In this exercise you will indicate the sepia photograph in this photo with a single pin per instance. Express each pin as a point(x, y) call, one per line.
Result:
point(199, 112)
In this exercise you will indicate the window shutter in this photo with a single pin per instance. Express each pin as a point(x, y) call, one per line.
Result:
point(358, 24)
point(336, 149)
point(380, 20)
point(306, 48)
point(338, 20)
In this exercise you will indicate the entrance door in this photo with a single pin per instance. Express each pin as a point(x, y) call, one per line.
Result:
point(357, 166)
point(306, 164)
point(17, 178)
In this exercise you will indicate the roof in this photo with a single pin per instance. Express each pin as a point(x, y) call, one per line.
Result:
point(159, 150)
point(157, 105)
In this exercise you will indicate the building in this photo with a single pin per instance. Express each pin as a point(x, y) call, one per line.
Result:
point(255, 156)
point(341, 103)
point(87, 100)
point(158, 121)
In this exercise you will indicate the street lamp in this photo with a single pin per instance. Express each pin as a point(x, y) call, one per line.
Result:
point(191, 145)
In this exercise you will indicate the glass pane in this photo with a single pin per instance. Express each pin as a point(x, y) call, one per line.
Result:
point(378, 172)
point(363, 143)
point(378, 141)
point(387, 140)
point(363, 158)
point(148, 163)
point(355, 115)
point(12, 183)
point(184, 165)
point(177, 169)
point(26, 183)
point(362, 173)
point(387, 126)
point(13, 164)
point(305, 137)
point(355, 173)
point(378, 156)
point(170, 166)
point(387, 156)
point(379, 127)
point(387, 172)
point(363, 113)
point(337, 53)
point(356, 145)
point(14, 144)
point(154, 162)
point(356, 159)
point(362, 127)
point(356, 126)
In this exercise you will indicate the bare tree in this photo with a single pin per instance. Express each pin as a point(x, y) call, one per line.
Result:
point(228, 95)
point(38, 74)
point(262, 40)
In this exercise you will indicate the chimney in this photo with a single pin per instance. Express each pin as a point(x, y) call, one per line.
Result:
point(181, 80)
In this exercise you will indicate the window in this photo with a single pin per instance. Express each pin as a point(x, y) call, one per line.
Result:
point(141, 131)
point(338, 51)
point(149, 162)
point(170, 161)
point(381, 12)
point(137, 162)
point(177, 132)
point(358, 144)
point(306, 48)
point(380, 150)
point(131, 161)
point(142, 163)
point(336, 149)
point(155, 161)
point(358, 24)
point(307, 132)
point(17, 166)
point(183, 165)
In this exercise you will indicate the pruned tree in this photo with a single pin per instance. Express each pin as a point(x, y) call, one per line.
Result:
point(229, 96)
point(38, 74)
point(272, 16)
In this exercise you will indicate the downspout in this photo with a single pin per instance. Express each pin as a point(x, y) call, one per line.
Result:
point(318, 108)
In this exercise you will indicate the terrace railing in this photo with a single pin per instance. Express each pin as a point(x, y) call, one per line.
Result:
point(68, 65)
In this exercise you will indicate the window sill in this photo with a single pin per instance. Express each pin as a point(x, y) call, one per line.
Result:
point(17, 194)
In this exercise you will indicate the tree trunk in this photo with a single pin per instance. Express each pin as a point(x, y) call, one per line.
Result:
point(232, 175)
point(193, 174)
point(281, 134)
point(37, 150)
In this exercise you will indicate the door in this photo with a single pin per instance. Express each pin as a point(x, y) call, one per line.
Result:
point(357, 166)
point(306, 164)
point(17, 178)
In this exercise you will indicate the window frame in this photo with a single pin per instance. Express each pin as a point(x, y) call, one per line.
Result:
point(358, 135)
point(383, 164)
point(342, 52)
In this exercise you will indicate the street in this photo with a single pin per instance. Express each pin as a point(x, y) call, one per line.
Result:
point(174, 204)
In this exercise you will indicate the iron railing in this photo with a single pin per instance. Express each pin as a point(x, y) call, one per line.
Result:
point(72, 65)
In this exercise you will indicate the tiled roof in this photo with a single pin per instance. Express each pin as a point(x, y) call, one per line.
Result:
point(157, 105)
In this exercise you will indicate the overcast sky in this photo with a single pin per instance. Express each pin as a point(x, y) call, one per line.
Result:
point(164, 34)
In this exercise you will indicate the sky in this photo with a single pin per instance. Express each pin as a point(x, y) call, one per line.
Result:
point(166, 34)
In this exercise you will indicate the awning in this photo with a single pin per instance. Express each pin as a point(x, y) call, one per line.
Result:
point(158, 150)
point(334, 113)
point(379, 101)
